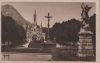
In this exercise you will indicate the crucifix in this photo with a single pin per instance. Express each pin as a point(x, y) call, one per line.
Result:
point(48, 17)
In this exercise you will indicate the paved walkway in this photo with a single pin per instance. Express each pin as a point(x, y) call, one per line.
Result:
point(26, 57)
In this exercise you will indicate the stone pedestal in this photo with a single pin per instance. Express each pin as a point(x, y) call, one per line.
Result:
point(85, 47)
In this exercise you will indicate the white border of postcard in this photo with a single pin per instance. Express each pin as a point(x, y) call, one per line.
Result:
point(97, 31)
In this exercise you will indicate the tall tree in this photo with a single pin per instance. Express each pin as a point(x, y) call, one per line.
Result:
point(92, 23)
point(66, 31)
point(11, 31)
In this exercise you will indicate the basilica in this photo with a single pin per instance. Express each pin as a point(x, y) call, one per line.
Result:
point(34, 32)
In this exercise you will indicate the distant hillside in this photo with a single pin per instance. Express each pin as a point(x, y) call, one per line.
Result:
point(8, 10)
point(13, 25)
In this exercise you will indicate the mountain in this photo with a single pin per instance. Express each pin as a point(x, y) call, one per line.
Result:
point(13, 25)
point(9, 10)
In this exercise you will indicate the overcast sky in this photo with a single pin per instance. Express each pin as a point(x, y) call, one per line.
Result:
point(60, 12)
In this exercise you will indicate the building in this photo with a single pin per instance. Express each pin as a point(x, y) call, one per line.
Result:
point(34, 32)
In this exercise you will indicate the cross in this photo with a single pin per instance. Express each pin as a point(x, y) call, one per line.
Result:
point(48, 17)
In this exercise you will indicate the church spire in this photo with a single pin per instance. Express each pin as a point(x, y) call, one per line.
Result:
point(41, 24)
point(35, 22)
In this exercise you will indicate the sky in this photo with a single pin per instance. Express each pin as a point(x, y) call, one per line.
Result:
point(60, 11)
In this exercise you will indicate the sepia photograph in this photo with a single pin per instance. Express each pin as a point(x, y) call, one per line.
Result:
point(48, 31)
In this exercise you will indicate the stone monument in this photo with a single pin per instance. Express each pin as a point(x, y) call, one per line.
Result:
point(85, 46)
point(49, 44)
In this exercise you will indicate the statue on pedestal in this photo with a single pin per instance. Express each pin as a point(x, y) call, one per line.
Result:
point(85, 47)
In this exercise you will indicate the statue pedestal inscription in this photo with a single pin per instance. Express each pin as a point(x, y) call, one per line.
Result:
point(85, 47)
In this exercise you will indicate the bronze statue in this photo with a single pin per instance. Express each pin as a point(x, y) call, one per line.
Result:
point(84, 14)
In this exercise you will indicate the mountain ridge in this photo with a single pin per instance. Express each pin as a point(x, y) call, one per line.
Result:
point(9, 10)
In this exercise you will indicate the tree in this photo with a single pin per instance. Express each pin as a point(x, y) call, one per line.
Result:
point(11, 31)
point(73, 29)
point(92, 23)
point(66, 31)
